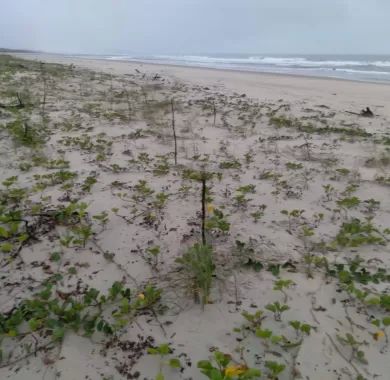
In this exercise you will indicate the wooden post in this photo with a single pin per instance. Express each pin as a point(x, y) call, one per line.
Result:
point(128, 105)
point(174, 130)
point(215, 112)
point(203, 209)
point(44, 79)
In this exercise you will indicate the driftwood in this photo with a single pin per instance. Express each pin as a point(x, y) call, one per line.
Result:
point(364, 112)
point(367, 112)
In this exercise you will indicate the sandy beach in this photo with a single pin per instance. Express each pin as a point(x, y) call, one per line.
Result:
point(94, 195)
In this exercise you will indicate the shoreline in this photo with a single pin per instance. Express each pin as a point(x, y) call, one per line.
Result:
point(194, 67)
point(239, 70)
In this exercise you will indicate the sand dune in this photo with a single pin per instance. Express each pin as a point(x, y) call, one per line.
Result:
point(296, 214)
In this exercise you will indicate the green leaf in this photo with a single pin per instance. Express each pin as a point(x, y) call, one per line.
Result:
point(91, 295)
point(275, 339)
point(361, 357)
point(58, 333)
point(345, 277)
point(6, 247)
point(55, 256)
point(215, 374)
point(221, 358)
point(385, 301)
point(51, 323)
point(164, 349)
point(154, 250)
point(271, 307)
point(12, 333)
point(22, 238)
point(376, 322)
point(205, 364)
point(263, 334)
point(160, 376)
point(107, 329)
point(3, 232)
point(306, 328)
point(115, 289)
point(257, 266)
point(251, 373)
point(34, 324)
point(295, 325)
point(72, 270)
point(274, 269)
point(350, 339)
point(373, 301)
point(386, 321)
point(275, 367)
point(174, 363)
point(45, 294)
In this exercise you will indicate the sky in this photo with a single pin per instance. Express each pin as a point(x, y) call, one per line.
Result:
point(174, 27)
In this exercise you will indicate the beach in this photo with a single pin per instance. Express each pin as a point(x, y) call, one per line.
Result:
point(119, 168)
point(255, 84)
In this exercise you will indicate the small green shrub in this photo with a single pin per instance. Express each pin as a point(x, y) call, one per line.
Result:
point(50, 316)
point(356, 233)
point(26, 134)
point(259, 213)
point(294, 166)
point(224, 369)
point(349, 202)
point(164, 350)
point(199, 264)
point(354, 345)
point(277, 308)
point(290, 122)
point(275, 369)
point(234, 164)
point(217, 222)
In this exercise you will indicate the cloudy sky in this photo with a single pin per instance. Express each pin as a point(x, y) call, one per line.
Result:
point(196, 26)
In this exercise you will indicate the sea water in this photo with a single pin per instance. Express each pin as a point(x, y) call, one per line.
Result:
point(372, 68)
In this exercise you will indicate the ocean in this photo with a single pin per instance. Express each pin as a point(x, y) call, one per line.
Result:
point(371, 68)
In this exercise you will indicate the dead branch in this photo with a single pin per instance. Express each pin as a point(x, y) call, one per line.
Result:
point(21, 104)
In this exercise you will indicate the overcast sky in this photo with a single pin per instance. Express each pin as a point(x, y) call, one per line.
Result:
point(196, 26)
